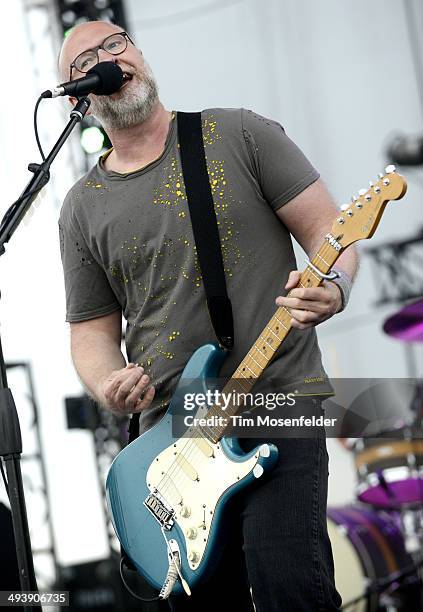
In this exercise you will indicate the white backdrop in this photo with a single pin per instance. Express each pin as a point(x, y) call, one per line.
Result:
point(338, 76)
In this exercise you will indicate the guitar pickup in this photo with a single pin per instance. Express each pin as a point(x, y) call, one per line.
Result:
point(160, 510)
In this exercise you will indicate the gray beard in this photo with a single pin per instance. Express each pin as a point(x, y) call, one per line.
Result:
point(132, 108)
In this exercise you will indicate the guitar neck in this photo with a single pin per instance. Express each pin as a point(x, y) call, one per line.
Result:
point(268, 342)
point(358, 220)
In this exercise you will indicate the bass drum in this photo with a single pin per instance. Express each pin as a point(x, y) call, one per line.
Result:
point(367, 546)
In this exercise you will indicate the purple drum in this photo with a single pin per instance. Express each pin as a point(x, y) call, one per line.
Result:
point(390, 470)
point(367, 546)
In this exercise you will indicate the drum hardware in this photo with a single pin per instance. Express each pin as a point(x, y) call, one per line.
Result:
point(379, 586)
point(390, 471)
point(390, 467)
point(412, 529)
point(407, 323)
point(370, 557)
point(378, 543)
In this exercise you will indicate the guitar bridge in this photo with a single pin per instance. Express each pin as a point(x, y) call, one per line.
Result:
point(161, 511)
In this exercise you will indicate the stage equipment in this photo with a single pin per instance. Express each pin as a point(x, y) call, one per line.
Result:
point(109, 435)
point(34, 473)
point(9, 575)
point(373, 570)
point(406, 324)
point(96, 586)
point(10, 434)
point(389, 457)
point(383, 537)
point(73, 12)
point(406, 150)
point(94, 139)
point(103, 79)
point(398, 269)
point(390, 468)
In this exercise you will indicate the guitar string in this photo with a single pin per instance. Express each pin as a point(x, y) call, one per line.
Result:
point(175, 469)
point(322, 253)
point(190, 445)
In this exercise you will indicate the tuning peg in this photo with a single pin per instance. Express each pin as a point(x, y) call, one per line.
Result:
point(390, 169)
point(371, 184)
point(345, 207)
point(362, 192)
point(354, 199)
point(380, 175)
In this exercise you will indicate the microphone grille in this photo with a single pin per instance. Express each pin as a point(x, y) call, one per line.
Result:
point(111, 78)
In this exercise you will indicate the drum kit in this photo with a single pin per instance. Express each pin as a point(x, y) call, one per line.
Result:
point(377, 542)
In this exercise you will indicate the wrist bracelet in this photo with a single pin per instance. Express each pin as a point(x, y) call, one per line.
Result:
point(345, 285)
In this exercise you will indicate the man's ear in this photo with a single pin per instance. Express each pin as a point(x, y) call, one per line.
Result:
point(72, 101)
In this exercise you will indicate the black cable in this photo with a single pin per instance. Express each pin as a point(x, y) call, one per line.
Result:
point(6, 485)
point(128, 588)
point(37, 137)
point(15, 204)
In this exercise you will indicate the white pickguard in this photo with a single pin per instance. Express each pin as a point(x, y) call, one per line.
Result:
point(191, 476)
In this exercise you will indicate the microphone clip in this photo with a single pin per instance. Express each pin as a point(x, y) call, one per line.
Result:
point(80, 108)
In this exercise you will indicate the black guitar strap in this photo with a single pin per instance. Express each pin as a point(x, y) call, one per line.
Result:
point(204, 225)
point(207, 241)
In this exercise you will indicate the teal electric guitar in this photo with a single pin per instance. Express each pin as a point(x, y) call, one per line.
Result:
point(167, 496)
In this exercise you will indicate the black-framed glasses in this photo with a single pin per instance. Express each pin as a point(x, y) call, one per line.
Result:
point(115, 44)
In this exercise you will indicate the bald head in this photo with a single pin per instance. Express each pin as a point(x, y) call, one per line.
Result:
point(81, 38)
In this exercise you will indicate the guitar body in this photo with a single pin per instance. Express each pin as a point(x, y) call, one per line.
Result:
point(187, 482)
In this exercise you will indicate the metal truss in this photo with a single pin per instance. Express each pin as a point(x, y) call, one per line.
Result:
point(398, 269)
point(109, 436)
point(34, 476)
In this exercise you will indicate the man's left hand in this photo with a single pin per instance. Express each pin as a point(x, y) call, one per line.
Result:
point(312, 306)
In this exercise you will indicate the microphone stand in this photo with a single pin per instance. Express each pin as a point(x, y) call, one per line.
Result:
point(10, 433)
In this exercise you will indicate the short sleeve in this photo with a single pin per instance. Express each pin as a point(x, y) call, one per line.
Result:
point(88, 292)
point(281, 168)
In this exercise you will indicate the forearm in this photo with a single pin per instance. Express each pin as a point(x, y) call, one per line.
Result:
point(95, 357)
point(348, 261)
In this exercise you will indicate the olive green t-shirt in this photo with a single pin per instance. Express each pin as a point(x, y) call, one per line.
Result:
point(127, 243)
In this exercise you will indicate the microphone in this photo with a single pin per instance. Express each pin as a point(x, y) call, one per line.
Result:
point(102, 79)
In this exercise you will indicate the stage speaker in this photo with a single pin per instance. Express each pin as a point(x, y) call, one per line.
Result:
point(97, 586)
point(9, 574)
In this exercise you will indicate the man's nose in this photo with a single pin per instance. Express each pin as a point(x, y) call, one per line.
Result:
point(103, 56)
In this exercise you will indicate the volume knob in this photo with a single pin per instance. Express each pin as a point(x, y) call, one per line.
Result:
point(185, 511)
point(191, 533)
point(193, 556)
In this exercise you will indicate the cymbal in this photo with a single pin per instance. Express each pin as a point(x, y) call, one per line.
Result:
point(407, 323)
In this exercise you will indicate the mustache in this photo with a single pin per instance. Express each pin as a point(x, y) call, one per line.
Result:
point(129, 106)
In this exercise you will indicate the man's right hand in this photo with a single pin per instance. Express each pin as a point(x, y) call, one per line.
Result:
point(127, 390)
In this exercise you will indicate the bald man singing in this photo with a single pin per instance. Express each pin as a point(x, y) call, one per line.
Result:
point(128, 250)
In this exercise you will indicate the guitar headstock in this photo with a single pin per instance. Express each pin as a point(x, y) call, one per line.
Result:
point(360, 219)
